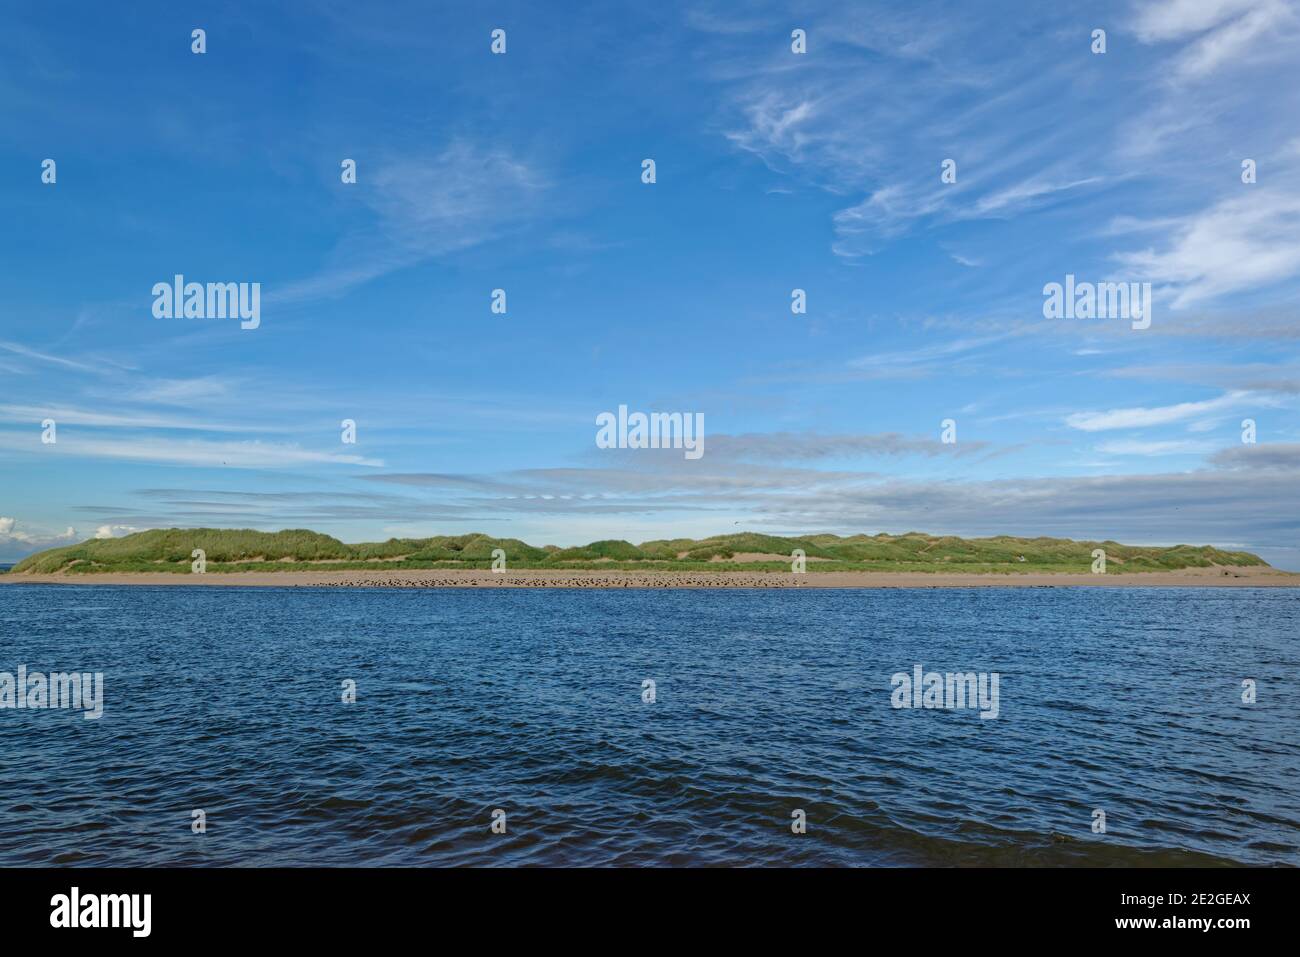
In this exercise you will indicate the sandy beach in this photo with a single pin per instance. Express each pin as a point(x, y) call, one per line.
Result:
point(1248, 576)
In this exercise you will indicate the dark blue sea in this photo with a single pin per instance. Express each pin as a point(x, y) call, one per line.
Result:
point(229, 701)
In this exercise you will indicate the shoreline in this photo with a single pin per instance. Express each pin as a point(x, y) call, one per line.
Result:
point(1245, 576)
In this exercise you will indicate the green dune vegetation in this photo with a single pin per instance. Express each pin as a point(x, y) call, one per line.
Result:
point(240, 550)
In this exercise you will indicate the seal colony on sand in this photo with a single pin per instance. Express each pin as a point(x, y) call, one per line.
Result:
point(1246, 576)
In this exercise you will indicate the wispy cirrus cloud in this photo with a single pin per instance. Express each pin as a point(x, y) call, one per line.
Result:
point(199, 453)
point(424, 207)
point(1020, 196)
point(1215, 33)
point(1134, 418)
point(122, 418)
point(1156, 447)
point(826, 122)
point(1239, 243)
point(26, 352)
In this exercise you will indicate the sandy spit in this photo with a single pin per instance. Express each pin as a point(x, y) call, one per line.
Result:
point(1252, 577)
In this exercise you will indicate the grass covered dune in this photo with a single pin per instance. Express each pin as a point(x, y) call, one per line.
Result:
point(245, 550)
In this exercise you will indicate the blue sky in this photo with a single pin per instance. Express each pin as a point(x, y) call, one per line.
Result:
point(774, 171)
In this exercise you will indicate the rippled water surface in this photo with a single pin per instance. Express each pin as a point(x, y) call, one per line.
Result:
point(228, 700)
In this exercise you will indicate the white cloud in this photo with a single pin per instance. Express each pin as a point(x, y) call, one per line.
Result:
point(1135, 418)
point(892, 210)
point(427, 206)
point(878, 109)
point(776, 125)
point(1239, 243)
point(192, 452)
point(1225, 31)
point(72, 415)
point(1022, 195)
point(887, 212)
point(1165, 447)
point(12, 535)
point(185, 392)
point(115, 531)
point(18, 349)
point(1164, 20)
point(927, 355)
